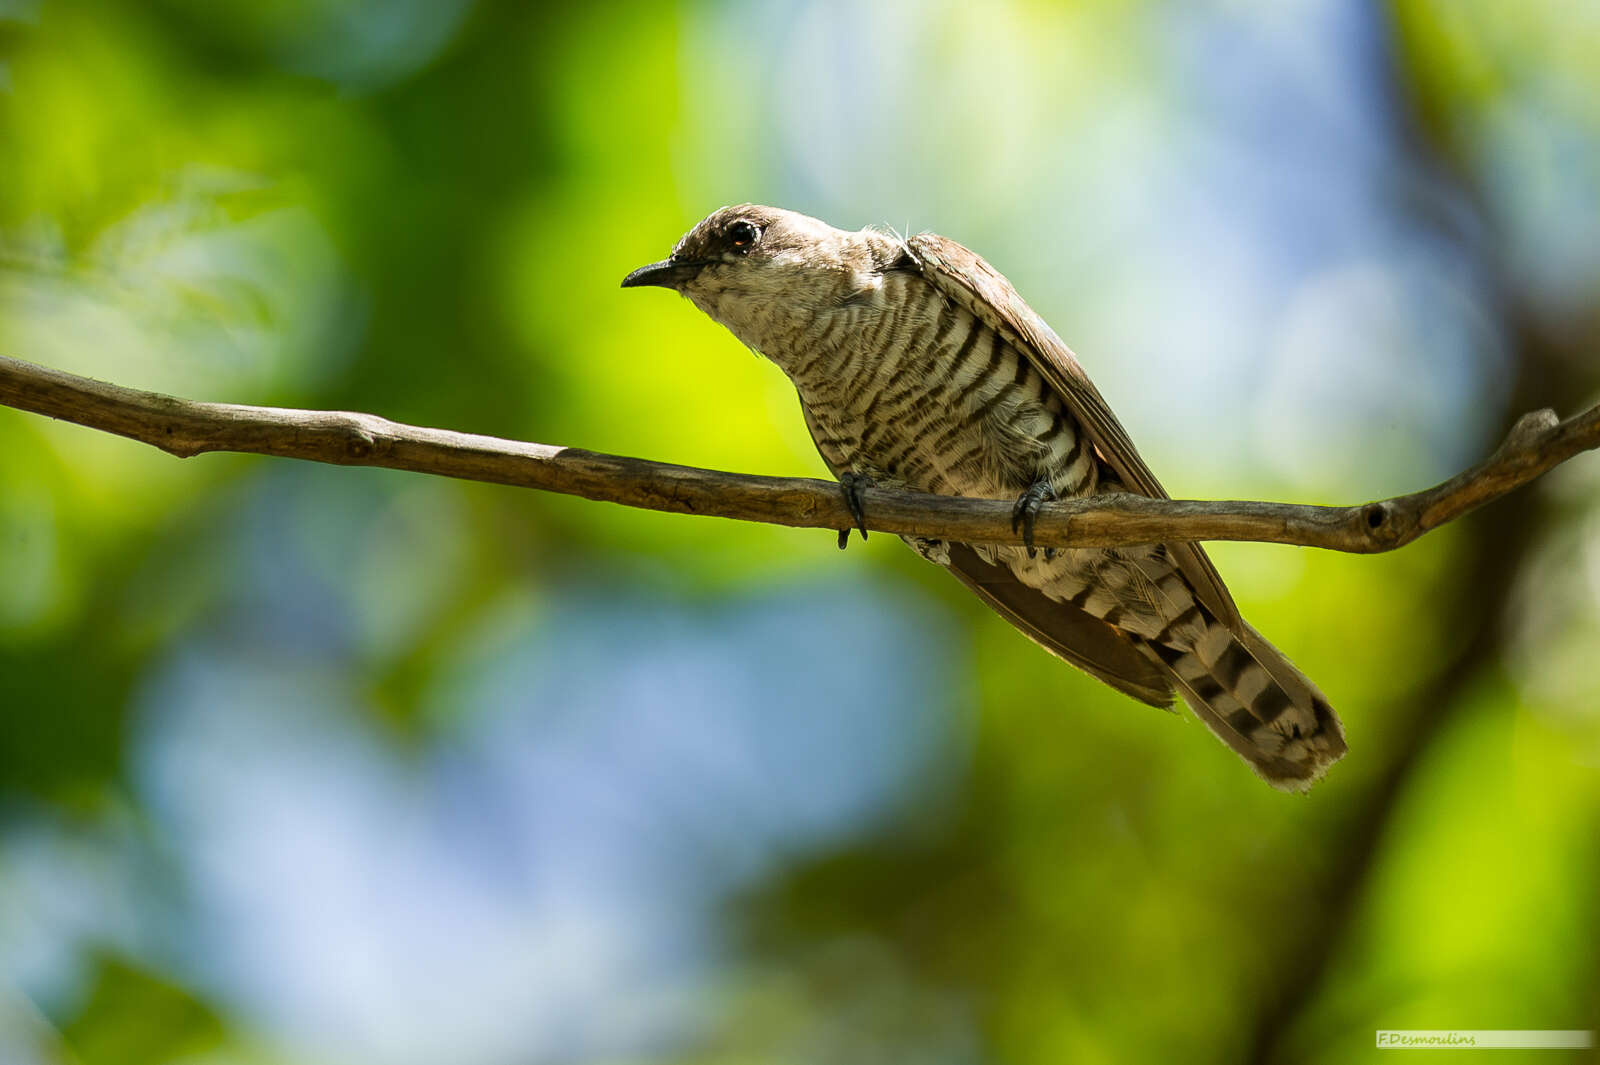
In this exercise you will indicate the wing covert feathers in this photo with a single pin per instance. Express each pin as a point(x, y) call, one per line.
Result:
point(964, 276)
point(1242, 687)
point(1094, 646)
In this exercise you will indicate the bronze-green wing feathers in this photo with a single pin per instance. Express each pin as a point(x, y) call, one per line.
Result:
point(1099, 649)
point(963, 276)
point(1241, 686)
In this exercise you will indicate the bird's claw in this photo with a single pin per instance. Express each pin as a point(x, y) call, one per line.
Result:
point(852, 484)
point(1026, 512)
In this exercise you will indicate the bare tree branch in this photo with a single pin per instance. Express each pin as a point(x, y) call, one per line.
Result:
point(182, 427)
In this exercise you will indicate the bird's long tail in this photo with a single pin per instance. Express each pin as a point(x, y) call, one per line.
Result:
point(1256, 701)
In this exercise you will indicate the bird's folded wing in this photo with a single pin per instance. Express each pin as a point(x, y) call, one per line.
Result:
point(1095, 647)
point(963, 275)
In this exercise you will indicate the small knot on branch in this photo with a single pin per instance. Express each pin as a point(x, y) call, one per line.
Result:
point(1529, 431)
point(360, 441)
point(1386, 525)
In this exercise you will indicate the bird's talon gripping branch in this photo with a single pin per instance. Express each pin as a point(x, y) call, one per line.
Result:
point(852, 484)
point(1026, 512)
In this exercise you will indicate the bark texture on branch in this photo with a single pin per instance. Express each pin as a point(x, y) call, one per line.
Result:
point(1539, 442)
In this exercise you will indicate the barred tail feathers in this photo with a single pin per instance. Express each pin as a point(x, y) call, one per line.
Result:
point(1257, 703)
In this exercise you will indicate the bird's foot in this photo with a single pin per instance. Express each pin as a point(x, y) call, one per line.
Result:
point(1026, 512)
point(852, 485)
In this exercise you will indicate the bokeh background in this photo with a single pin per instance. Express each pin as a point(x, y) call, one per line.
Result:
point(324, 765)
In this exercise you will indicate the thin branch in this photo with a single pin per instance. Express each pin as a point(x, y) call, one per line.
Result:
point(184, 427)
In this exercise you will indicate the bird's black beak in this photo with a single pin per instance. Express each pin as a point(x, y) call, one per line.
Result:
point(668, 273)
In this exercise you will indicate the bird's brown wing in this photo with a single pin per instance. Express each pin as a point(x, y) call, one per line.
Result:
point(965, 277)
point(1098, 649)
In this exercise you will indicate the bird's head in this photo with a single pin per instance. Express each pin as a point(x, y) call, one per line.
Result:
point(766, 273)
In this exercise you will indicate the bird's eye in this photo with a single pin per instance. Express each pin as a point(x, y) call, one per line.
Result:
point(742, 235)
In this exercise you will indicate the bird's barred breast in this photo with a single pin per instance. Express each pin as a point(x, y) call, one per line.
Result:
point(901, 384)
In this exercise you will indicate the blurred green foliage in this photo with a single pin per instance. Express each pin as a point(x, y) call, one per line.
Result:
point(135, 1018)
point(423, 210)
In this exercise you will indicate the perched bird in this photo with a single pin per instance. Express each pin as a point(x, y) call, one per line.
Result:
point(919, 366)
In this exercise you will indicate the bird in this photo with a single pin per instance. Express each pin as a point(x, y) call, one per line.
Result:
point(918, 366)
